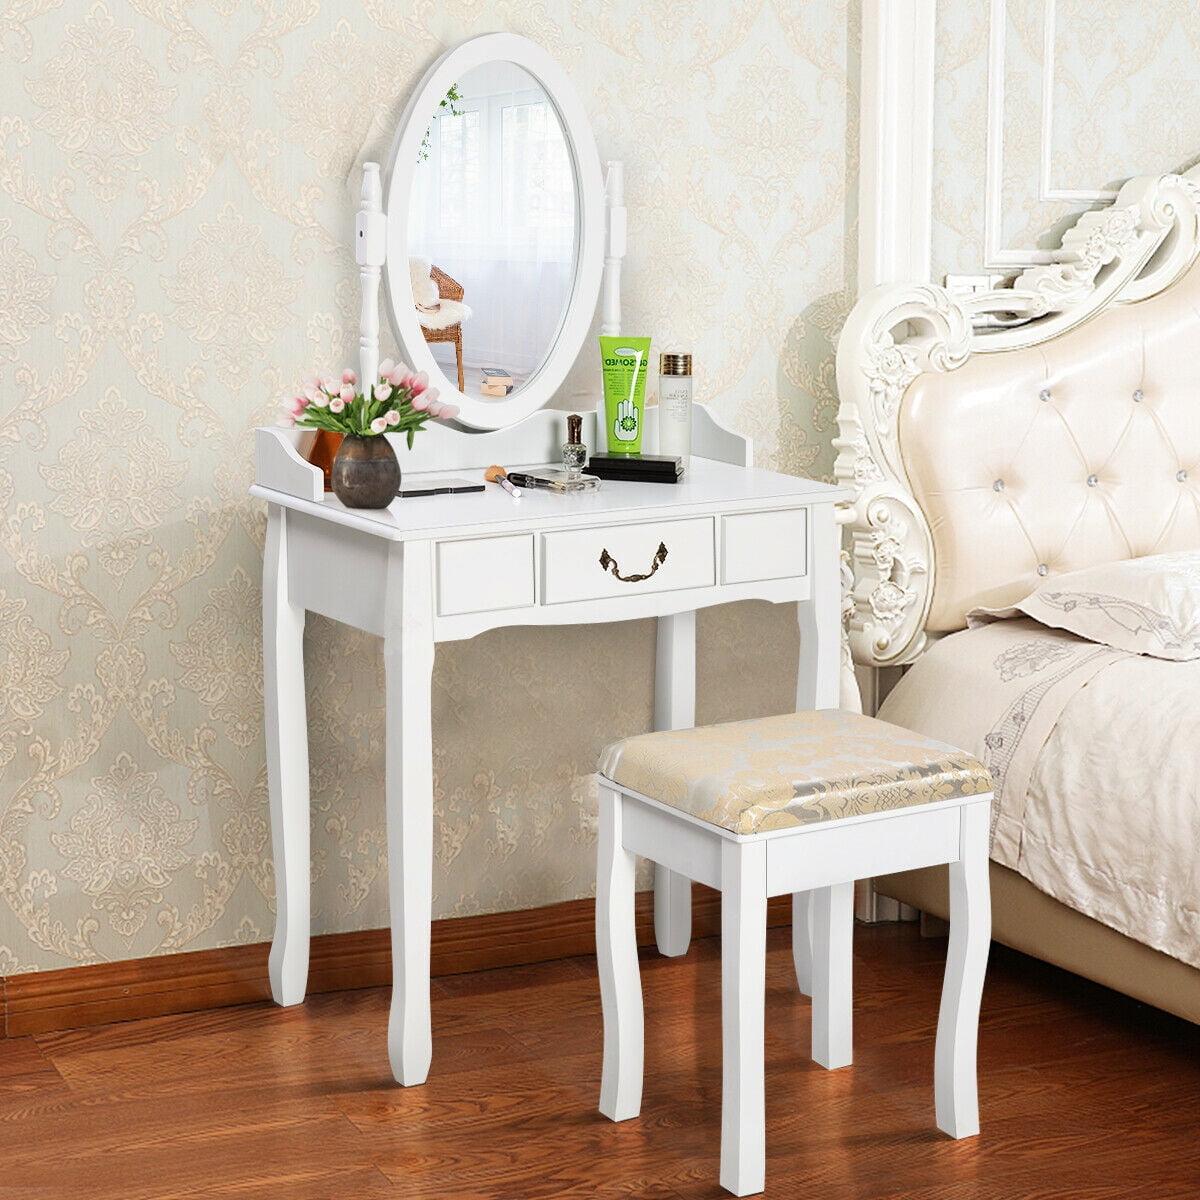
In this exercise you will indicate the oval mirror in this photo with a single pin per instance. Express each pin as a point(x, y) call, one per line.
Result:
point(495, 212)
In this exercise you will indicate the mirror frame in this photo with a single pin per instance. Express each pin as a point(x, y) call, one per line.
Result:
point(474, 411)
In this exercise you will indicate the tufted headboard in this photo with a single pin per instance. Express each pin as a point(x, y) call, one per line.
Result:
point(1014, 434)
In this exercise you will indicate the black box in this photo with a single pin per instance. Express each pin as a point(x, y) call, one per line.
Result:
point(638, 468)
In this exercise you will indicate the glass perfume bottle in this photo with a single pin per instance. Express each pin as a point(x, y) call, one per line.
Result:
point(569, 477)
point(574, 452)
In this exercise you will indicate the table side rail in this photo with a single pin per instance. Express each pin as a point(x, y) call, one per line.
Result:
point(337, 571)
point(340, 572)
point(626, 608)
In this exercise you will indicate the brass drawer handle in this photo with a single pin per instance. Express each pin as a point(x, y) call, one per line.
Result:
point(608, 563)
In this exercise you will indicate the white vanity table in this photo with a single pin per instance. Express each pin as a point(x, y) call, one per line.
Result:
point(446, 567)
point(441, 568)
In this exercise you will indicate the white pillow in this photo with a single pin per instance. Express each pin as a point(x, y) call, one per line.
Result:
point(1142, 605)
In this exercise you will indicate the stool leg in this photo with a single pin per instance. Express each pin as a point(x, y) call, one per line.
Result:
point(743, 997)
point(802, 941)
point(620, 980)
point(672, 912)
point(833, 970)
point(956, 1090)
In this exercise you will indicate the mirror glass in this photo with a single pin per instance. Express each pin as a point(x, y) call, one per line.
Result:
point(493, 230)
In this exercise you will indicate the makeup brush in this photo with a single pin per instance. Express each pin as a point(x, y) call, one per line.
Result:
point(495, 474)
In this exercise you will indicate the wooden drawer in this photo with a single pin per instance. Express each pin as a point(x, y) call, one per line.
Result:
point(764, 545)
point(584, 564)
point(485, 574)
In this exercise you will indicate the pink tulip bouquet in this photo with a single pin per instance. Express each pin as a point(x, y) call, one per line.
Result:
point(400, 401)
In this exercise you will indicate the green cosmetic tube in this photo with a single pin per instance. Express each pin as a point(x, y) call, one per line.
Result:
point(624, 361)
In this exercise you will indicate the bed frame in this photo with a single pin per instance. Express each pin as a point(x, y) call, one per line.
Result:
point(903, 338)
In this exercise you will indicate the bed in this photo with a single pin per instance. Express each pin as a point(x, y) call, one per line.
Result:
point(997, 443)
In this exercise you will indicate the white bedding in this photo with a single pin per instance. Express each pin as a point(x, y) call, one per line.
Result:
point(1096, 754)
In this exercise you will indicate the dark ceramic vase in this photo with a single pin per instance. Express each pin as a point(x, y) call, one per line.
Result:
point(365, 472)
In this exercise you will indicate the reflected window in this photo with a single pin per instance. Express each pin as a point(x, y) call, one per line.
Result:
point(458, 168)
point(537, 186)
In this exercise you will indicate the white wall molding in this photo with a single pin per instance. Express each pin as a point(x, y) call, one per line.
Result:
point(998, 256)
point(895, 207)
point(895, 194)
point(1046, 189)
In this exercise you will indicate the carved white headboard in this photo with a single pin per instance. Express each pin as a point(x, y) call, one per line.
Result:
point(1002, 436)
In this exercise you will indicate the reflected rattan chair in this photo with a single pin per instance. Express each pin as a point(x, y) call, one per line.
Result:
point(448, 289)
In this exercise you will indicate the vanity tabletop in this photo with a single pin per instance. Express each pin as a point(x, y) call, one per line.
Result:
point(708, 485)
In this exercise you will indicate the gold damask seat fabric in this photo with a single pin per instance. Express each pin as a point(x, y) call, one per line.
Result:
point(797, 769)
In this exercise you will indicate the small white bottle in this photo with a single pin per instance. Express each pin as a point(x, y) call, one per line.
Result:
point(675, 406)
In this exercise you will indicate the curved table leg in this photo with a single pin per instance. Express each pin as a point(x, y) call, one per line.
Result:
point(819, 677)
point(408, 668)
point(674, 708)
point(287, 767)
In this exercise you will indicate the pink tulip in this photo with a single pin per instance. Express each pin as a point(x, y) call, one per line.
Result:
point(382, 391)
point(449, 412)
point(312, 394)
point(419, 383)
point(319, 400)
point(396, 375)
point(347, 392)
point(435, 408)
point(378, 425)
point(336, 404)
point(420, 403)
point(329, 384)
point(310, 382)
point(298, 405)
point(386, 367)
point(431, 394)
point(348, 376)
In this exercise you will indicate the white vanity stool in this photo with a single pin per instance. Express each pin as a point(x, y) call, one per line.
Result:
point(803, 803)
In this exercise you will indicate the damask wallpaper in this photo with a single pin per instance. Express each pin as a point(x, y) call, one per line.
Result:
point(177, 185)
point(1117, 95)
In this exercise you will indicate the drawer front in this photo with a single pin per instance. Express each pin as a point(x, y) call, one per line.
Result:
point(627, 560)
point(485, 574)
point(764, 545)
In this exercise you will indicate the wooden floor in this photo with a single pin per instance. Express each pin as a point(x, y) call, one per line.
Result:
point(1084, 1094)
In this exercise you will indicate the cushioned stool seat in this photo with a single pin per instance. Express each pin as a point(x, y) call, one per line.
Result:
point(802, 804)
point(797, 769)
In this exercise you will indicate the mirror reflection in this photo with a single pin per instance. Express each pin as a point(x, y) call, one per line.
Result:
point(492, 230)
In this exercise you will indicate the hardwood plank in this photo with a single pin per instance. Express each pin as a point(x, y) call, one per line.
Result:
point(27, 1076)
point(1083, 1094)
point(150, 987)
point(145, 1150)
